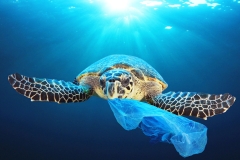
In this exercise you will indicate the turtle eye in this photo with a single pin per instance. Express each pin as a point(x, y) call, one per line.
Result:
point(125, 81)
point(102, 83)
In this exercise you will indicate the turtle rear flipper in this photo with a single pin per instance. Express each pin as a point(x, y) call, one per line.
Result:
point(42, 89)
point(194, 104)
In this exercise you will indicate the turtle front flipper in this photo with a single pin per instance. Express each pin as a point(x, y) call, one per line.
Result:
point(42, 89)
point(193, 104)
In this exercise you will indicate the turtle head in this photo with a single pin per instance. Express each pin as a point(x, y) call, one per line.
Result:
point(117, 83)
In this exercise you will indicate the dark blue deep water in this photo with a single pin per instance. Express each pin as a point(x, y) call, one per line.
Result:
point(195, 47)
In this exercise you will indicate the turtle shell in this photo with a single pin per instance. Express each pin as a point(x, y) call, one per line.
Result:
point(126, 62)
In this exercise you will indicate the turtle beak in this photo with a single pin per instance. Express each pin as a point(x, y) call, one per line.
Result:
point(113, 89)
point(110, 89)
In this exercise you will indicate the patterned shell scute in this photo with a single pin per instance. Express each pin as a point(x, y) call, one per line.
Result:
point(115, 60)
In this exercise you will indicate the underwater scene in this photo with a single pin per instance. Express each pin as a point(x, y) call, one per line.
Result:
point(182, 56)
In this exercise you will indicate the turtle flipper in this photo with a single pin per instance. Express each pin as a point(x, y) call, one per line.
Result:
point(42, 89)
point(193, 104)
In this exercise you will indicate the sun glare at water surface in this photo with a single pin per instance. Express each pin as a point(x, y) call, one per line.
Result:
point(117, 5)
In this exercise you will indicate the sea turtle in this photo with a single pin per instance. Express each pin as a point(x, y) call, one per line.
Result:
point(122, 76)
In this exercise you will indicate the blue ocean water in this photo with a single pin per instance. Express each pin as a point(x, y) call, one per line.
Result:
point(193, 44)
